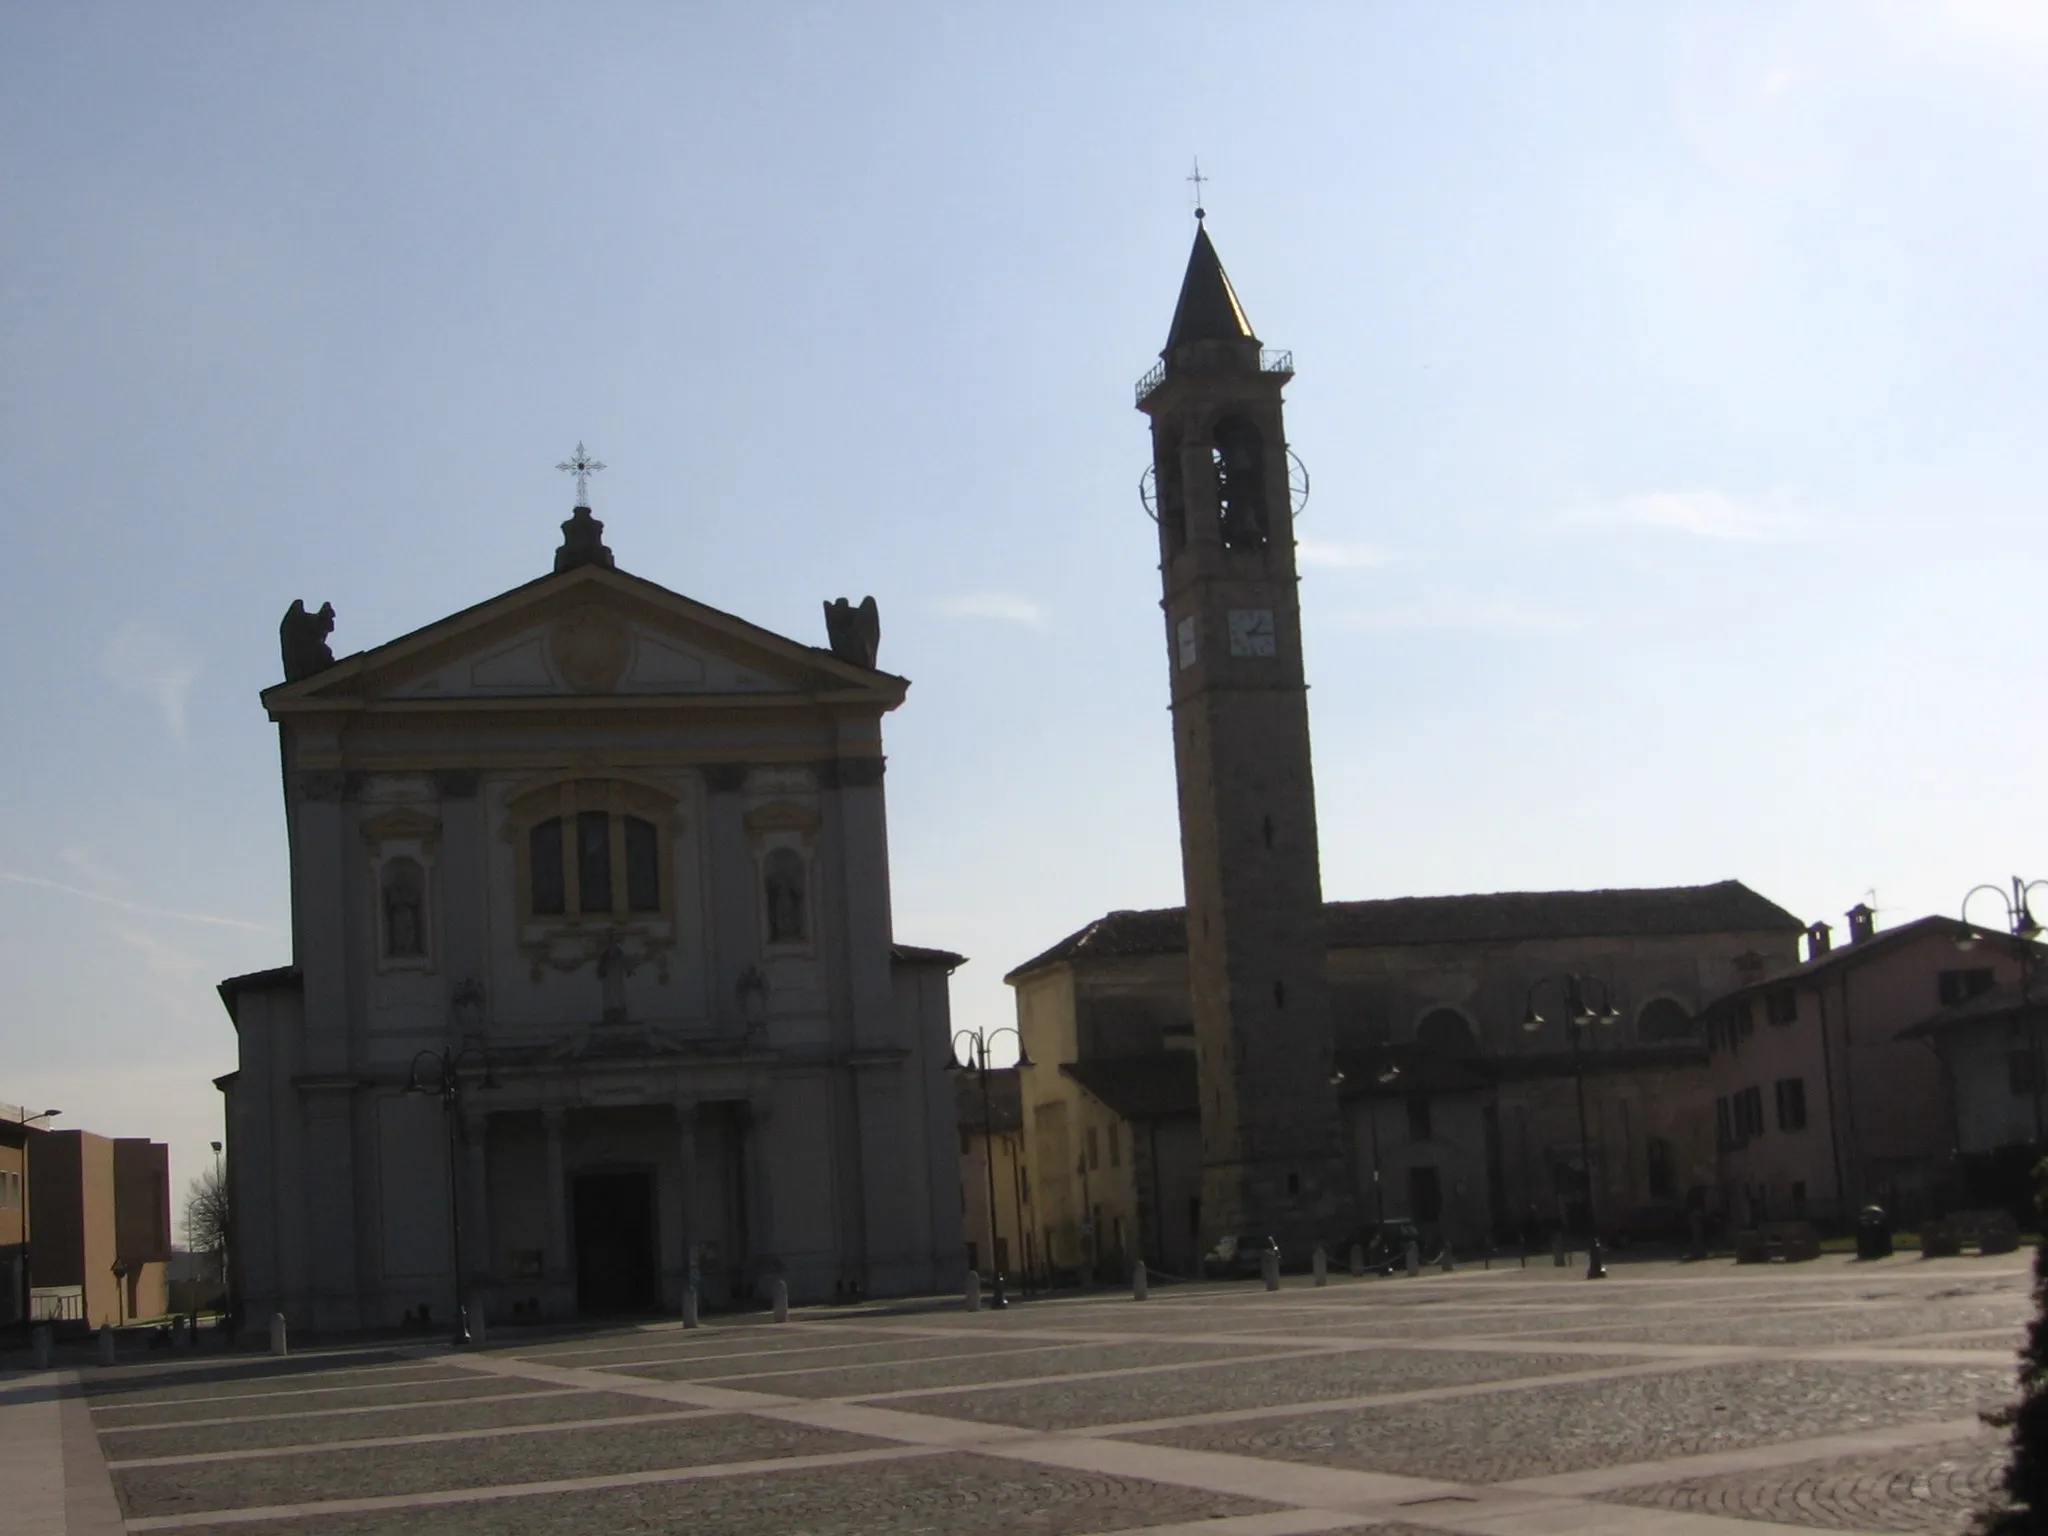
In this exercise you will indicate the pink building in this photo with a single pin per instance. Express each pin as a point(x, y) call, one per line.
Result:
point(1820, 1106)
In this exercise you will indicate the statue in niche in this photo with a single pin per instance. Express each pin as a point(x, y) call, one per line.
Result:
point(855, 634)
point(405, 914)
point(782, 878)
point(612, 971)
point(302, 637)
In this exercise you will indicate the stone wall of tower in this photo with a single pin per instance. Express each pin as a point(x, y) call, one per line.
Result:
point(1272, 1149)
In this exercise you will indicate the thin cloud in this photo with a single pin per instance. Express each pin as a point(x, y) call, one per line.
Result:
point(153, 664)
point(1338, 555)
point(162, 958)
point(1776, 517)
point(1003, 607)
point(86, 865)
point(139, 908)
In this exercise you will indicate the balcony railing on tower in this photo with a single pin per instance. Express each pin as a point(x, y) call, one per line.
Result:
point(1271, 360)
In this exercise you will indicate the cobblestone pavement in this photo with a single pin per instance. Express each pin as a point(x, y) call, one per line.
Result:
point(1684, 1400)
point(1938, 1490)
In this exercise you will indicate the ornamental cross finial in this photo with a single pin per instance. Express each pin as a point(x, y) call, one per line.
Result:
point(582, 466)
point(1199, 181)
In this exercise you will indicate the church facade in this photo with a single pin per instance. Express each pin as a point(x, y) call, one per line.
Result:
point(594, 994)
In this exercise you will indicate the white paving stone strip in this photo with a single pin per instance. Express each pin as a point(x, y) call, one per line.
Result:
point(1006, 1383)
point(104, 1401)
point(249, 1516)
point(1282, 1522)
point(332, 1413)
point(427, 1437)
point(814, 1370)
point(32, 1454)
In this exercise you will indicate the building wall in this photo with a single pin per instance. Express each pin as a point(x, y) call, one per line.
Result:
point(13, 1193)
point(1136, 1005)
point(1877, 1107)
point(142, 1224)
point(73, 1232)
point(1005, 1241)
point(1988, 1113)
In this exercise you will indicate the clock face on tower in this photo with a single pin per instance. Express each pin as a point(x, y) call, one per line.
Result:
point(1252, 633)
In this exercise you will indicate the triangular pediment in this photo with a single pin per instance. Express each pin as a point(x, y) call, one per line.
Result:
point(590, 633)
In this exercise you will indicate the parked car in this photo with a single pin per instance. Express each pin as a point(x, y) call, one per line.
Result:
point(1237, 1258)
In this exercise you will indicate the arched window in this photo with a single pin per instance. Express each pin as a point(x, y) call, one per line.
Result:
point(593, 861)
point(1663, 1019)
point(643, 866)
point(1444, 1032)
point(405, 910)
point(782, 881)
point(1240, 455)
point(594, 849)
point(544, 854)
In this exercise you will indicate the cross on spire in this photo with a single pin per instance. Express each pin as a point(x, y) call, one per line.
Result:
point(1199, 181)
point(582, 466)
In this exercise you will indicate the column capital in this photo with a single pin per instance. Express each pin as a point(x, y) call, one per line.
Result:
point(551, 1117)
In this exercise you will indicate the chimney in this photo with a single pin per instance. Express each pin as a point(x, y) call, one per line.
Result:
point(1862, 923)
point(1819, 940)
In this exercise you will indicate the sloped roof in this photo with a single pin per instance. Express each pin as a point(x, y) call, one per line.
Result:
point(1847, 956)
point(1727, 906)
point(2008, 1000)
point(917, 954)
point(354, 677)
point(1208, 309)
point(1141, 1087)
point(277, 978)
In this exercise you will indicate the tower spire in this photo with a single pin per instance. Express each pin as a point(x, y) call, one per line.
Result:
point(1208, 309)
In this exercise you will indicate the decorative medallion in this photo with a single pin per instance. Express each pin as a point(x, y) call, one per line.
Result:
point(590, 649)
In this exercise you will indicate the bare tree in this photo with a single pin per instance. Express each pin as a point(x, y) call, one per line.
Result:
point(206, 1213)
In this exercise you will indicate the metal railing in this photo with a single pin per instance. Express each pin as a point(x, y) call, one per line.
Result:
point(1271, 360)
point(57, 1304)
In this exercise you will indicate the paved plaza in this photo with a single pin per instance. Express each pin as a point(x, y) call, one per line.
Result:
point(1667, 1399)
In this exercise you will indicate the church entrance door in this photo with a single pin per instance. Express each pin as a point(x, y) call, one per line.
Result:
point(616, 1265)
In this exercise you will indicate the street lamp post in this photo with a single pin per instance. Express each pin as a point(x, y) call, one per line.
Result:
point(1580, 1015)
point(446, 1084)
point(1386, 1074)
point(1017, 1207)
point(2021, 923)
point(28, 1184)
point(224, 1215)
point(978, 1042)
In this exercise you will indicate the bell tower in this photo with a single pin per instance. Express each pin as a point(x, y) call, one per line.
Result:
point(1273, 1155)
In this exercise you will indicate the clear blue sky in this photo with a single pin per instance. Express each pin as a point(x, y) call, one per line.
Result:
point(1672, 379)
